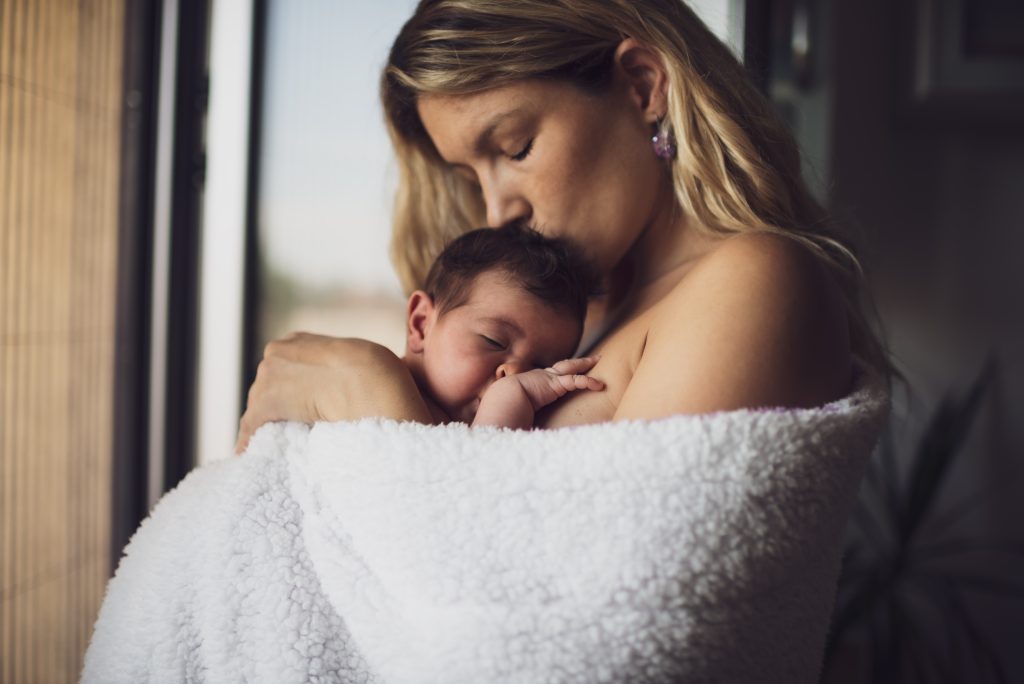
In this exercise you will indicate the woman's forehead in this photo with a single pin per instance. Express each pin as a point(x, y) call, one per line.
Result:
point(459, 123)
point(472, 106)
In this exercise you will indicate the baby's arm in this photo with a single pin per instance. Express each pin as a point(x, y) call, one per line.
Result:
point(513, 400)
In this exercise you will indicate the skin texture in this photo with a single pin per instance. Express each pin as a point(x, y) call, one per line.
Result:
point(574, 145)
point(495, 360)
point(692, 323)
point(500, 332)
point(512, 401)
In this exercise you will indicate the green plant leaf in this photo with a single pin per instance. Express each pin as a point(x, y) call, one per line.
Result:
point(849, 612)
point(889, 487)
point(936, 589)
point(983, 585)
point(854, 566)
point(957, 511)
point(940, 444)
point(916, 653)
point(958, 547)
point(884, 664)
point(977, 640)
point(881, 554)
point(898, 637)
point(870, 528)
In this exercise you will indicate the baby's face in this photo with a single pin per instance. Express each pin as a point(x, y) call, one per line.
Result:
point(501, 330)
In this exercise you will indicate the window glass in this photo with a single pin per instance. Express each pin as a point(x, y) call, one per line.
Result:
point(326, 173)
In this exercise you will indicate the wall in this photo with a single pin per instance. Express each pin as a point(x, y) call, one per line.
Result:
point(939, 206)
point(60, 120)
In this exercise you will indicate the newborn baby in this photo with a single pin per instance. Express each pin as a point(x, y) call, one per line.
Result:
point(488, 340)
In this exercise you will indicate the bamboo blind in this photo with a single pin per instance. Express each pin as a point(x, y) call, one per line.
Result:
point(60, 121)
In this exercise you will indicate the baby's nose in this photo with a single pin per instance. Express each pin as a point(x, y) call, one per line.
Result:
point(510, 368)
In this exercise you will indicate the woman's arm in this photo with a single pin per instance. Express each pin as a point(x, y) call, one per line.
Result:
point(759, 322)
point(306, 378)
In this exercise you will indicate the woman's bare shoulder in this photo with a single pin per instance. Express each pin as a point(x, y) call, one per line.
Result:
point(758, 321)
point(752, 258)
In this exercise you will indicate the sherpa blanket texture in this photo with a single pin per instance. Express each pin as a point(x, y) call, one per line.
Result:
point(701, 548)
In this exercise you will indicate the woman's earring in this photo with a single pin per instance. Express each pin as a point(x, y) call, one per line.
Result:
point(663, 142)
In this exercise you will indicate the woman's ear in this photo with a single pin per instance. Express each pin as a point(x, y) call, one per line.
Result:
point(646, 78)
point(419, 319)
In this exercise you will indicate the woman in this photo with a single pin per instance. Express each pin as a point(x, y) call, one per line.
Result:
point(629, 127)
point(689, 549)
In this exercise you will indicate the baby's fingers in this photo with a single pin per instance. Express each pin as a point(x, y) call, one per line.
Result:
point(579, 382)
point(575, 366)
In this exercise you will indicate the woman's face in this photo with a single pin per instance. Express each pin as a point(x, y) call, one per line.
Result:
point(565, 162)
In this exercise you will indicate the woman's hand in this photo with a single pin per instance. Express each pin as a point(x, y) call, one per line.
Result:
point(293, 372)
point(306, 378)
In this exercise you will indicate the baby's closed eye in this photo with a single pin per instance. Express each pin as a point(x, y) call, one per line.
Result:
point(493, 343)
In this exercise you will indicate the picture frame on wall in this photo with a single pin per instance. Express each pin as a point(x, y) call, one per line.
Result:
point(967, 61)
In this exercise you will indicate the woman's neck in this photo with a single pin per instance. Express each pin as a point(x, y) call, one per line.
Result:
point(665, 251)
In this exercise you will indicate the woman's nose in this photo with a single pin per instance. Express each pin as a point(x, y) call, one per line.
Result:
point(509, 368)
point(504, 208)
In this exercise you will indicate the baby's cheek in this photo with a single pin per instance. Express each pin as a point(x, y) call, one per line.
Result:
point(469, 378)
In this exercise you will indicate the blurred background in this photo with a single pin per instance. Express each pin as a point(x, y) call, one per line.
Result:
point(182, 181)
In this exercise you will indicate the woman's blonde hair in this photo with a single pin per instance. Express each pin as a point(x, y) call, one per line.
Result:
point(737, 168)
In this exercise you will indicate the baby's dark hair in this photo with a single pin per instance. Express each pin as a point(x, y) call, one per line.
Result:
point(552, 269)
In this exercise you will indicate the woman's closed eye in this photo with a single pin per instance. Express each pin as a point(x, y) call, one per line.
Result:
point(523, 153)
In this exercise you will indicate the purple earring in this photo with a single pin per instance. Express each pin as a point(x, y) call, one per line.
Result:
point(663, 142)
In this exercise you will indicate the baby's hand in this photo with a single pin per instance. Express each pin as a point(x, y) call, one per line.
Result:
point(511, 401)
point(545, 385)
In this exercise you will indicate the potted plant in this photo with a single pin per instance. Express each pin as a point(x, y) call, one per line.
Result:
point(896, 582)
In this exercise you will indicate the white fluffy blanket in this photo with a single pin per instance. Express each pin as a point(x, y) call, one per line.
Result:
point(688, 549)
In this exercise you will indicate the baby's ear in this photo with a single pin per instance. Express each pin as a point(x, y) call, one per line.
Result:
point(420, 314)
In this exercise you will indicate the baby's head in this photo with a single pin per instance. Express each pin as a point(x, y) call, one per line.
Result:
point(496, 302)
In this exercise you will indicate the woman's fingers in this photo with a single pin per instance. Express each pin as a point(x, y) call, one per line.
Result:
point(299, 379)
point(256, 413)
point(246, 426)
point(243, 436)
point(267, 399)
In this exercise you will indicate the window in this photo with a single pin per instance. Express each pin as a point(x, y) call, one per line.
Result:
point(323, 203)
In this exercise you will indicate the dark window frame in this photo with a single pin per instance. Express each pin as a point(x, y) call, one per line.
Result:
point(134, 263)
point(134, 311)
point(188, 178)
